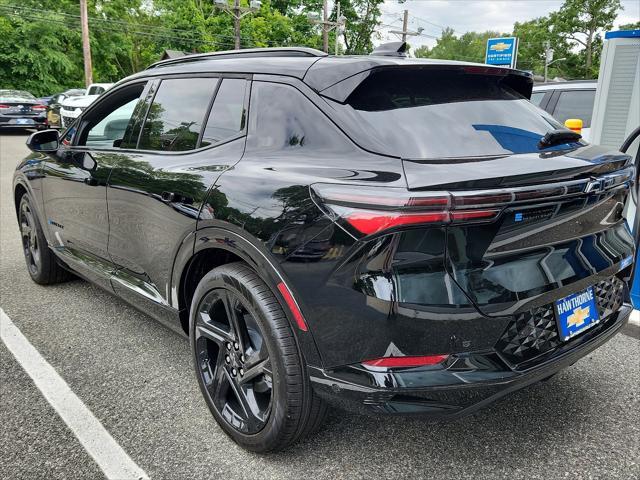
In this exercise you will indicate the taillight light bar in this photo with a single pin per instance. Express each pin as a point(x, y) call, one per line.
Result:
point(370, 210)
point(3, 106)
point(38, 107)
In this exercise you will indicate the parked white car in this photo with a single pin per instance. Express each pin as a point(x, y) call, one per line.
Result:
point(564, 100)
point(72, 107)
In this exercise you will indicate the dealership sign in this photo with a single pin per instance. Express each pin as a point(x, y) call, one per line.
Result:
point(502, 51)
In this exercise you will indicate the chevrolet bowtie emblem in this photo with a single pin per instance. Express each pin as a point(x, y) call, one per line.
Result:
point(499, 47)
point(578, 317)
point(596, 185)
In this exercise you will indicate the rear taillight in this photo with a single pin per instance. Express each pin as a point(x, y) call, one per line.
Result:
point(38, 107)
point(2, 106)
point(371, 210)
point(399, 362)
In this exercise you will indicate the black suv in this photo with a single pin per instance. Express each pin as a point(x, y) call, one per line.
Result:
point(382, 233)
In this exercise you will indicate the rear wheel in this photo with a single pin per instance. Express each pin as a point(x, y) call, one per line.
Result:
point(41, 262)
point(247, 362)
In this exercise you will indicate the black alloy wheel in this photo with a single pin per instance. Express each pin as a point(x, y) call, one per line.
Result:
point(249, 368)
point(41, 262)
point(233, 360)
point(30, 243)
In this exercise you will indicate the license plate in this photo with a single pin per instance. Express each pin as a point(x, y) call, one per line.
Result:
point(576, 313)
point(24, 121)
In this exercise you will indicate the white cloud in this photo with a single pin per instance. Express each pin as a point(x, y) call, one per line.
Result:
point(474, 15)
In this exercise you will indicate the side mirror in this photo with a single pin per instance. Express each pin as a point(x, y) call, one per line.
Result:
point(573, 124)
point(46, 141)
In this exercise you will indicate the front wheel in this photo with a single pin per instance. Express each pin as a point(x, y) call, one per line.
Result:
point(247, 362)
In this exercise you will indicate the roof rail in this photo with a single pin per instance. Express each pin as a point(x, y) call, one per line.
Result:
point(244, 53)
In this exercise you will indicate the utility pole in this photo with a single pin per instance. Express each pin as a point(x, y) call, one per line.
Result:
point(405, 24)
point(325, 30)
point(339, 29)
point(327, 25)
point(548, 56)
point(237, 12)
point(86, 46)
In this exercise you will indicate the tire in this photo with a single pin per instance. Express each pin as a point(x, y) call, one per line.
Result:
point(41, 262)
point(254, 382)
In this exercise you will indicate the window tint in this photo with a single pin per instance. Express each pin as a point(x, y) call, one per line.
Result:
point(575, 104)
point(95, 90)
point(444, 114)
point(288, 126)
point(175, 117)
point(108, 124)
point(536, 98)
point(227, 116)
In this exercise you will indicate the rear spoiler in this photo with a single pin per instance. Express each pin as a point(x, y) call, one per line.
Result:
point(518, 80)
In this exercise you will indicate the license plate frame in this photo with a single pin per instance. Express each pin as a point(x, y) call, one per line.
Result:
point(23, 121)
point(576, 313)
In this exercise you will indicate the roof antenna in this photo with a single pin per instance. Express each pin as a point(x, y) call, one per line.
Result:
point(391, 49)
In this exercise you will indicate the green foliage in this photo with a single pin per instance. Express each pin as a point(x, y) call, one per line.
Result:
point(469, 47)
point(579, 22)
point(573, 33)
point(41, 47)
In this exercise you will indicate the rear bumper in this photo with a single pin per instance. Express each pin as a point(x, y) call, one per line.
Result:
point(463, 384)
point(19, 122)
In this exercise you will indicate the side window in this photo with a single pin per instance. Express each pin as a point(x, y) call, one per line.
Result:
point(575, 104)
point(107, 125)
point(175, 117)
point(95, 90)
point(227, 116)
point(536, 98)
point(288, 125)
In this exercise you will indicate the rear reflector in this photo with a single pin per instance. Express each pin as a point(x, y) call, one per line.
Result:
point(293, 306)
point(391, 362)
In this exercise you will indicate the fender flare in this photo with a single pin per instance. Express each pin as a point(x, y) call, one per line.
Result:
point(251, 251)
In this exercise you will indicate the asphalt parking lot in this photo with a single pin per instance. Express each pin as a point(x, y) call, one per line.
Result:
point(136, 377)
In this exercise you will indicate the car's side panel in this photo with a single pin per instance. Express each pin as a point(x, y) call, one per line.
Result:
point(267, 195)
point(154, 200)
point(75, 209)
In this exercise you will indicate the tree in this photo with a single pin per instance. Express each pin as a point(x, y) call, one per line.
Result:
point(470, 46)
point(580, 21)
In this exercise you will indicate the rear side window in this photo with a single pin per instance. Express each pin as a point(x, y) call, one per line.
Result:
point(439, 114)
point(284, 119)
point(227, 117)
point(536, 98)
point(175, 117)
point(575, 104)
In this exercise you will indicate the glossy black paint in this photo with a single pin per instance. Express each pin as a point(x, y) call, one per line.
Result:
point(147, 225)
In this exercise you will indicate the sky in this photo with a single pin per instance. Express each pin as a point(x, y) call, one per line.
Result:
point(474, 15)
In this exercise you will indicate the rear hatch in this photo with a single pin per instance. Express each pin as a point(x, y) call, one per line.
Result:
point(19, 106)
point(524, 218)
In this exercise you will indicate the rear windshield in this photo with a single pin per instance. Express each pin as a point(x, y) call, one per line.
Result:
point(15, 96)
point(442, 114)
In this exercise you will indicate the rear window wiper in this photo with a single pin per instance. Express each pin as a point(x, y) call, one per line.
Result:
point(558, 137)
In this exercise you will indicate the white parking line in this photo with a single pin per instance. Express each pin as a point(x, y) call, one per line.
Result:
point(635, 318)
point(96, 440)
